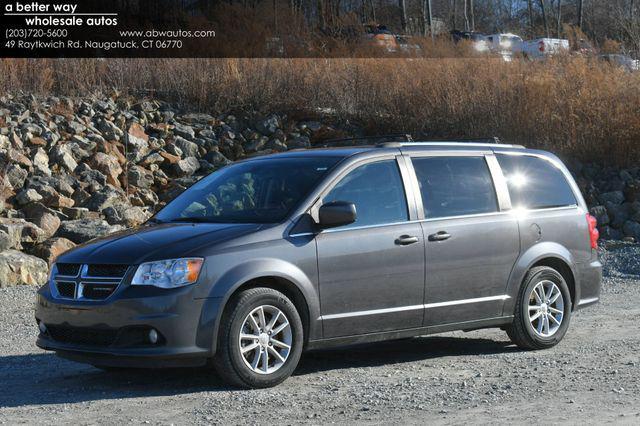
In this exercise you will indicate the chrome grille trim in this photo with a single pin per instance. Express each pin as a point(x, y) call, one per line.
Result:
point(83, 280)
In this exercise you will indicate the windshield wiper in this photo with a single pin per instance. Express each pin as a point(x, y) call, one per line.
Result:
point(193, 220)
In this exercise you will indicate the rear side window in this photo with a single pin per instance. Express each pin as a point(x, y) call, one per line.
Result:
point(455, 186)
point(377, 191)
point(535, 183)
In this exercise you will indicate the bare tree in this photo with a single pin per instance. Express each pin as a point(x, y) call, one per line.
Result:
point(427, 19)
point(580, 5)
point(544, 17)
point(321, 17)
point(402, 4)
point(531, 20)
point(466, 17)
point(454, 5)
point(472, 15)
point(630, 26)
point(559, 18)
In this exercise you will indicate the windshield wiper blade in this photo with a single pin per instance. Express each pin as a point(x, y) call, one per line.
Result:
point(193, 220)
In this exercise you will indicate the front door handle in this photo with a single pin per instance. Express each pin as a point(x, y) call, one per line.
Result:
point(439, 236)
point(405, 240)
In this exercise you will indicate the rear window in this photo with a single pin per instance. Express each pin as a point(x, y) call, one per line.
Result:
point(535, 183)
point(455, 186)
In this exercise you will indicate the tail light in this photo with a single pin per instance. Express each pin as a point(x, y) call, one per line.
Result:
point(541, 46)
point(593, 231)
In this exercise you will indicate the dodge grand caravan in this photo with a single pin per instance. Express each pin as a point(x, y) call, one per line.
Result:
point(275, 255)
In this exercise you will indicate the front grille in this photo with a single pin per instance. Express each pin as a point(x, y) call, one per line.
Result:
point(111, 271)
point(82, 336)
point(66, 289)
point(68, 269)
point(98, 291)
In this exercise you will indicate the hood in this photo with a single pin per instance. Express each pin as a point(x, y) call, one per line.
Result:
point(155, 242)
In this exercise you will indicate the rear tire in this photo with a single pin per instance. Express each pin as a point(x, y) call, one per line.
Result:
point(543, 310)
point(260, 339)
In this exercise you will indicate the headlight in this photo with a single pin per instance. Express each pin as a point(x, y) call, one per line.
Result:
point(170, 273)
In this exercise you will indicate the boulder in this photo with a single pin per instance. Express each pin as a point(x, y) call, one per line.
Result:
point(609, 233)
point(138, 142)
point(18, 158)
point(82, 230)
point(600, 213)
point(21, 232)
point(41, 162)
point(18, 268)
point(170, 158)
point(63, 157)
point(128, 217)
point(217, 159)
point(188, 148)
point(108, 166)
point(615, 197)
point(5, 241)
point(27, 196)
point(299, 142)
point(632, 190)
point(618, 213)
point(106, 197)
point(187, 167)
point(52, 248)
point(16, 176)
point(184, 131)
point(255, 145)
point(44, 217)
point(109, 130)
point(140, 177)
point(269, 125)
point(632, 229)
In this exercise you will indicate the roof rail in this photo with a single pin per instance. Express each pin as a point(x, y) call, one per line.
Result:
point(493, 142)
point(366, 140)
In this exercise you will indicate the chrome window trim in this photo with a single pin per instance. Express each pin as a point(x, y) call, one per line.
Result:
point(511, 212)
point(410, 205)
point(501, 297)
point(503, 202)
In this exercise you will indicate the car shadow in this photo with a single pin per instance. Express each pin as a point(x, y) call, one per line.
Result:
point(399, 351)
point(43, 378)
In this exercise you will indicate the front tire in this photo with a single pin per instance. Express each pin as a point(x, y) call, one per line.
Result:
point(543, 310)
point(260, 339)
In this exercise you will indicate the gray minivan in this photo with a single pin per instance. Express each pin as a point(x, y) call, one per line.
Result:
point(275, 255)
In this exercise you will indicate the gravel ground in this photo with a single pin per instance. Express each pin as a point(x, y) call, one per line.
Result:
point(592, 376)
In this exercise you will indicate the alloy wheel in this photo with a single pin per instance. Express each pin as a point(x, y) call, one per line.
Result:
point(265, 339)
point(546, 308)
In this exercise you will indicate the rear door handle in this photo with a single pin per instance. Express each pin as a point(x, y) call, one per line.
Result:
point(439, 236)
point(405, 240)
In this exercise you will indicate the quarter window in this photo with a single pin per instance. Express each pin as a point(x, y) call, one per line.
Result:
point(535, 183)
point(455, 186)
point(377, 191)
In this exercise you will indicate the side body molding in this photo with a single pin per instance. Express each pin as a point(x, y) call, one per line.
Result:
point(535, 253)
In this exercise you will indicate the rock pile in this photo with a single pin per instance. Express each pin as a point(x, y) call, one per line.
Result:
point(75, 169)
point(614, 198)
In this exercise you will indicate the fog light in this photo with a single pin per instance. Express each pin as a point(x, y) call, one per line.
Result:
point(153, 336)
point(42, 327)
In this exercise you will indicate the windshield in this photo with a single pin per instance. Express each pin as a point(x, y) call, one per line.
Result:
point(260, 191)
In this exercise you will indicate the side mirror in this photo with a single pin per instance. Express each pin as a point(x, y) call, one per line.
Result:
point(337, 213)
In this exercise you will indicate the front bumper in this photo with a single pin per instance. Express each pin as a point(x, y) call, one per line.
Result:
point(107, 333)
